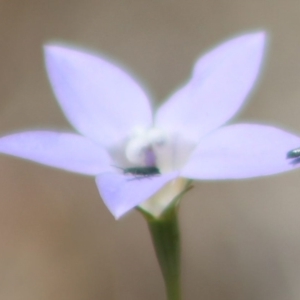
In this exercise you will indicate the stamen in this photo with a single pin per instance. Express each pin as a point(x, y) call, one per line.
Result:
point(135, 151)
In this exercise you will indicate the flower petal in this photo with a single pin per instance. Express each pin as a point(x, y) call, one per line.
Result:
point(100, 100)
point(241, 151)
point(66, 151)
point(121, 192)
point(220, 83)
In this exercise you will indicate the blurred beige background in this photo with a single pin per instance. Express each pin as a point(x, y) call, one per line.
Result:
point(241, 240)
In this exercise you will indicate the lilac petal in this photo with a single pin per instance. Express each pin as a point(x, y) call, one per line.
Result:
point(219, 85)
point(121, 192)
point(66, 151)
point(241, 151)
point(100, 100)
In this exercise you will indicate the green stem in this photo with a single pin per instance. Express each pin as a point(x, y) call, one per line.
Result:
point(165, 235)
point(166, 240)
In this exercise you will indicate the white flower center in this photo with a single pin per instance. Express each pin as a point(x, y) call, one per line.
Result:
point(140, 149)
point(155, 147)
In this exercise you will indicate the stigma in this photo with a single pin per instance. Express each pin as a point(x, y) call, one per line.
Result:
point(142, 144)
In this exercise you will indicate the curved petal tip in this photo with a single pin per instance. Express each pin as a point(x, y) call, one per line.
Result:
point(122, 193)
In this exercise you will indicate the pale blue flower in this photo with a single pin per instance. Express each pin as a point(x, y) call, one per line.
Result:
point(185, 139)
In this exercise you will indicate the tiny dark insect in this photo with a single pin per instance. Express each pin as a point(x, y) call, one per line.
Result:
point(142, 171)
point(295, 153)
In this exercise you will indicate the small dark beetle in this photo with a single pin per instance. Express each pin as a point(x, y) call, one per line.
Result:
point(142, 171)
point(295, 153)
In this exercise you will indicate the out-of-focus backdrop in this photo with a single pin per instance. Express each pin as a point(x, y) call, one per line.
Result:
point(241, 239)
